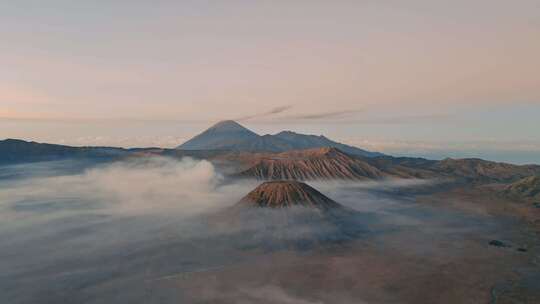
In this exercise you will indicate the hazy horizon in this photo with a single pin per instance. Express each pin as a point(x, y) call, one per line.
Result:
point(520, 152)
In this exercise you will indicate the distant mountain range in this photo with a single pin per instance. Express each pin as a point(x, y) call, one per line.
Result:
point(484, 171)
point(230, 135)
point(240, 152)
point(17, 151)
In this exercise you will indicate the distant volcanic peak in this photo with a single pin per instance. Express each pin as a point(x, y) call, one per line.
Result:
point(228, 125)
point(225, 135)
point(285, 194)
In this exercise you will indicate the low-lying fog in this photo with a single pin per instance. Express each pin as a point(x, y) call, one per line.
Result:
point(101, 233)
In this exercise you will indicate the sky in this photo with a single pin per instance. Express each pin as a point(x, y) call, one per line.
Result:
point(422, 78)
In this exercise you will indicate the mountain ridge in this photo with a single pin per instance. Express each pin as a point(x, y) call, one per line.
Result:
point(312, 164)
point(477, 169)
point(307, 164)
point(16, 150)
point(230, 135)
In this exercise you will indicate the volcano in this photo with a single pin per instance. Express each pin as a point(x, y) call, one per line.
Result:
point(285, 194)
point(290, 214)
point(313, 164)
point(222, 136)
point(230, 135)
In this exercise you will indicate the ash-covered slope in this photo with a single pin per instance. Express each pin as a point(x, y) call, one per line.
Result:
point(312, 164)
point(284, 194)
point(281, 214)
point(527, 188)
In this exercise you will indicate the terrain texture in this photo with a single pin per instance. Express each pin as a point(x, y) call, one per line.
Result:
point(231, 216)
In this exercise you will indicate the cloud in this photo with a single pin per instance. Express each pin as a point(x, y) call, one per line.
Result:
point(273, 111)
point(407, 119)
point(139, 186)
point(319, 116)
point(350, 117)
point(279, 109)
point(332, 114)
point(125, 225)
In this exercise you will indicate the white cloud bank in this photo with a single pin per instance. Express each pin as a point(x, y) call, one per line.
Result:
point(139, 186)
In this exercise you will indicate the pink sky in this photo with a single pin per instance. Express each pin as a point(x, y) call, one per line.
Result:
point(199, 62)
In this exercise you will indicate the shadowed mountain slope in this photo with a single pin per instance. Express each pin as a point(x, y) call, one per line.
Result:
point(17, 151)
point(303, 141)
point(483, 171)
